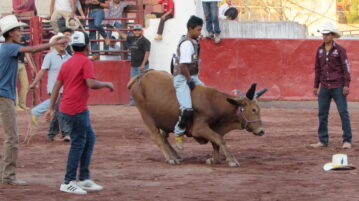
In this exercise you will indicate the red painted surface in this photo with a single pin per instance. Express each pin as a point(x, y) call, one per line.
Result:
point(285, 67)
point(117, 72)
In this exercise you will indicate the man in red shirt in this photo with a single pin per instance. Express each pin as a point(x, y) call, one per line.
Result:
point(332, 73)
point(77, 77)
point(169, 12)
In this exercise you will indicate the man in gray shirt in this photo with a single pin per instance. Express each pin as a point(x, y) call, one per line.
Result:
point(52, 64)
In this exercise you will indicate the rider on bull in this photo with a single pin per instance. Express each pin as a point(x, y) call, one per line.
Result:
point(185, 73)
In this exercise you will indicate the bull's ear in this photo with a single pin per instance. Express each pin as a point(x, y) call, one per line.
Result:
point(251, 91)
point(235, 102)
point(261, 92)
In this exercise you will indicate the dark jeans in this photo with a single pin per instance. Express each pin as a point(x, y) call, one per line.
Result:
point(82, 143)
point(210, 10)
point(324, 98)
point(58, 124)
point(96, 23)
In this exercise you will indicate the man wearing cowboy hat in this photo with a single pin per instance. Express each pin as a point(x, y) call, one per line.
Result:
point(52, 64)
point(332, 73)
point(9, 55)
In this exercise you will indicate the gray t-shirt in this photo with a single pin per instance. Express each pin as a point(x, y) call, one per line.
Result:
point(53, 62)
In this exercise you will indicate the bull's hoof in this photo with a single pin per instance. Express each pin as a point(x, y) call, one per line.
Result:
point(210, 161)
point(174, 161)
point(233, 163)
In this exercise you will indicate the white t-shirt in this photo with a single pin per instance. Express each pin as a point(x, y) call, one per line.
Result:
point(53, 62)
point(65, 5)
point(223, 10)
point(211, 0)
point(186, 52)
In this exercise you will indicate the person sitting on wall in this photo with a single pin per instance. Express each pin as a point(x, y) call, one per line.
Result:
point(169, 12)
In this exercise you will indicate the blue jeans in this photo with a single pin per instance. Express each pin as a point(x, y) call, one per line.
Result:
point(41, 108)
point(96, 23)
point(210, 10)
point(183, 91)
point(324, 98)
point(183, 94)
point(109, 33)
point(136, 71)
point(82, 143)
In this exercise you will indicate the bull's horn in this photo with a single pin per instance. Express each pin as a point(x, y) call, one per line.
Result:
point(261, 92)
point(251, 91)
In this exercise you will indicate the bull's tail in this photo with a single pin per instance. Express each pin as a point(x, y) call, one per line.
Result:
point(137, 78)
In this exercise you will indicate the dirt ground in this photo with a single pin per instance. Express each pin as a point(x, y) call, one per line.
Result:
point(278, 166)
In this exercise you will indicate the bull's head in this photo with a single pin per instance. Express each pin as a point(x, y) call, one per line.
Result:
point(248, 110)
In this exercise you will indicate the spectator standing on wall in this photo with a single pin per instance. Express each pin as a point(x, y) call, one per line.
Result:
point(332, 73)
point(77, 78)
point(97, 12)
point(140, 47)
point(169, 12)
point(9, 55)
point(52, 64)
point(210, 9)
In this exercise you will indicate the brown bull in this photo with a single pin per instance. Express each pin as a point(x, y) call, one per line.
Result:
point(215, 114)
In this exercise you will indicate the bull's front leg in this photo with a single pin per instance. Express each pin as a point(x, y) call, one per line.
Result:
point(201, 129)
point(215, 158)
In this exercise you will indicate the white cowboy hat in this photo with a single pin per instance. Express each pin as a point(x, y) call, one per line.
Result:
point(55, 38)
point(73, 23)
point(339, 162)
point(328, 27)
point(8, 23)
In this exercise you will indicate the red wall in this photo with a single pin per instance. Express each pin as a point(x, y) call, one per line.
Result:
point(285, 67)
point(117, 72)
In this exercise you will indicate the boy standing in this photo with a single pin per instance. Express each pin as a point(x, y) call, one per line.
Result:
point(77, 77)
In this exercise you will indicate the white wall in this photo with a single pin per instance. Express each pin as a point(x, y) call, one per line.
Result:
point(162, 51)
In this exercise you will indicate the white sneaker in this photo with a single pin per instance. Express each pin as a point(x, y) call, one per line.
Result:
point(89, 185)
point(72, 187)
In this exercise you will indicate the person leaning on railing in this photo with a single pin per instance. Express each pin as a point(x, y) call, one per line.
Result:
point(97, 12)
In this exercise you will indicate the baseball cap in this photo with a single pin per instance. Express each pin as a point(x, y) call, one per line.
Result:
point(80, 39)
point(137, 27)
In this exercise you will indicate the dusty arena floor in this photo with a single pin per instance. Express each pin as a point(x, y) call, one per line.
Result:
point(278, 166)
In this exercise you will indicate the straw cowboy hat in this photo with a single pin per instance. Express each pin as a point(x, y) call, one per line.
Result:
point(339, 162)
point(328, 27)
point(55, 38)
point(73, 23)
point(8, 23)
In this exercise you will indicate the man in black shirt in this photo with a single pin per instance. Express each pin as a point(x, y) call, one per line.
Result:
point(140, 51)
